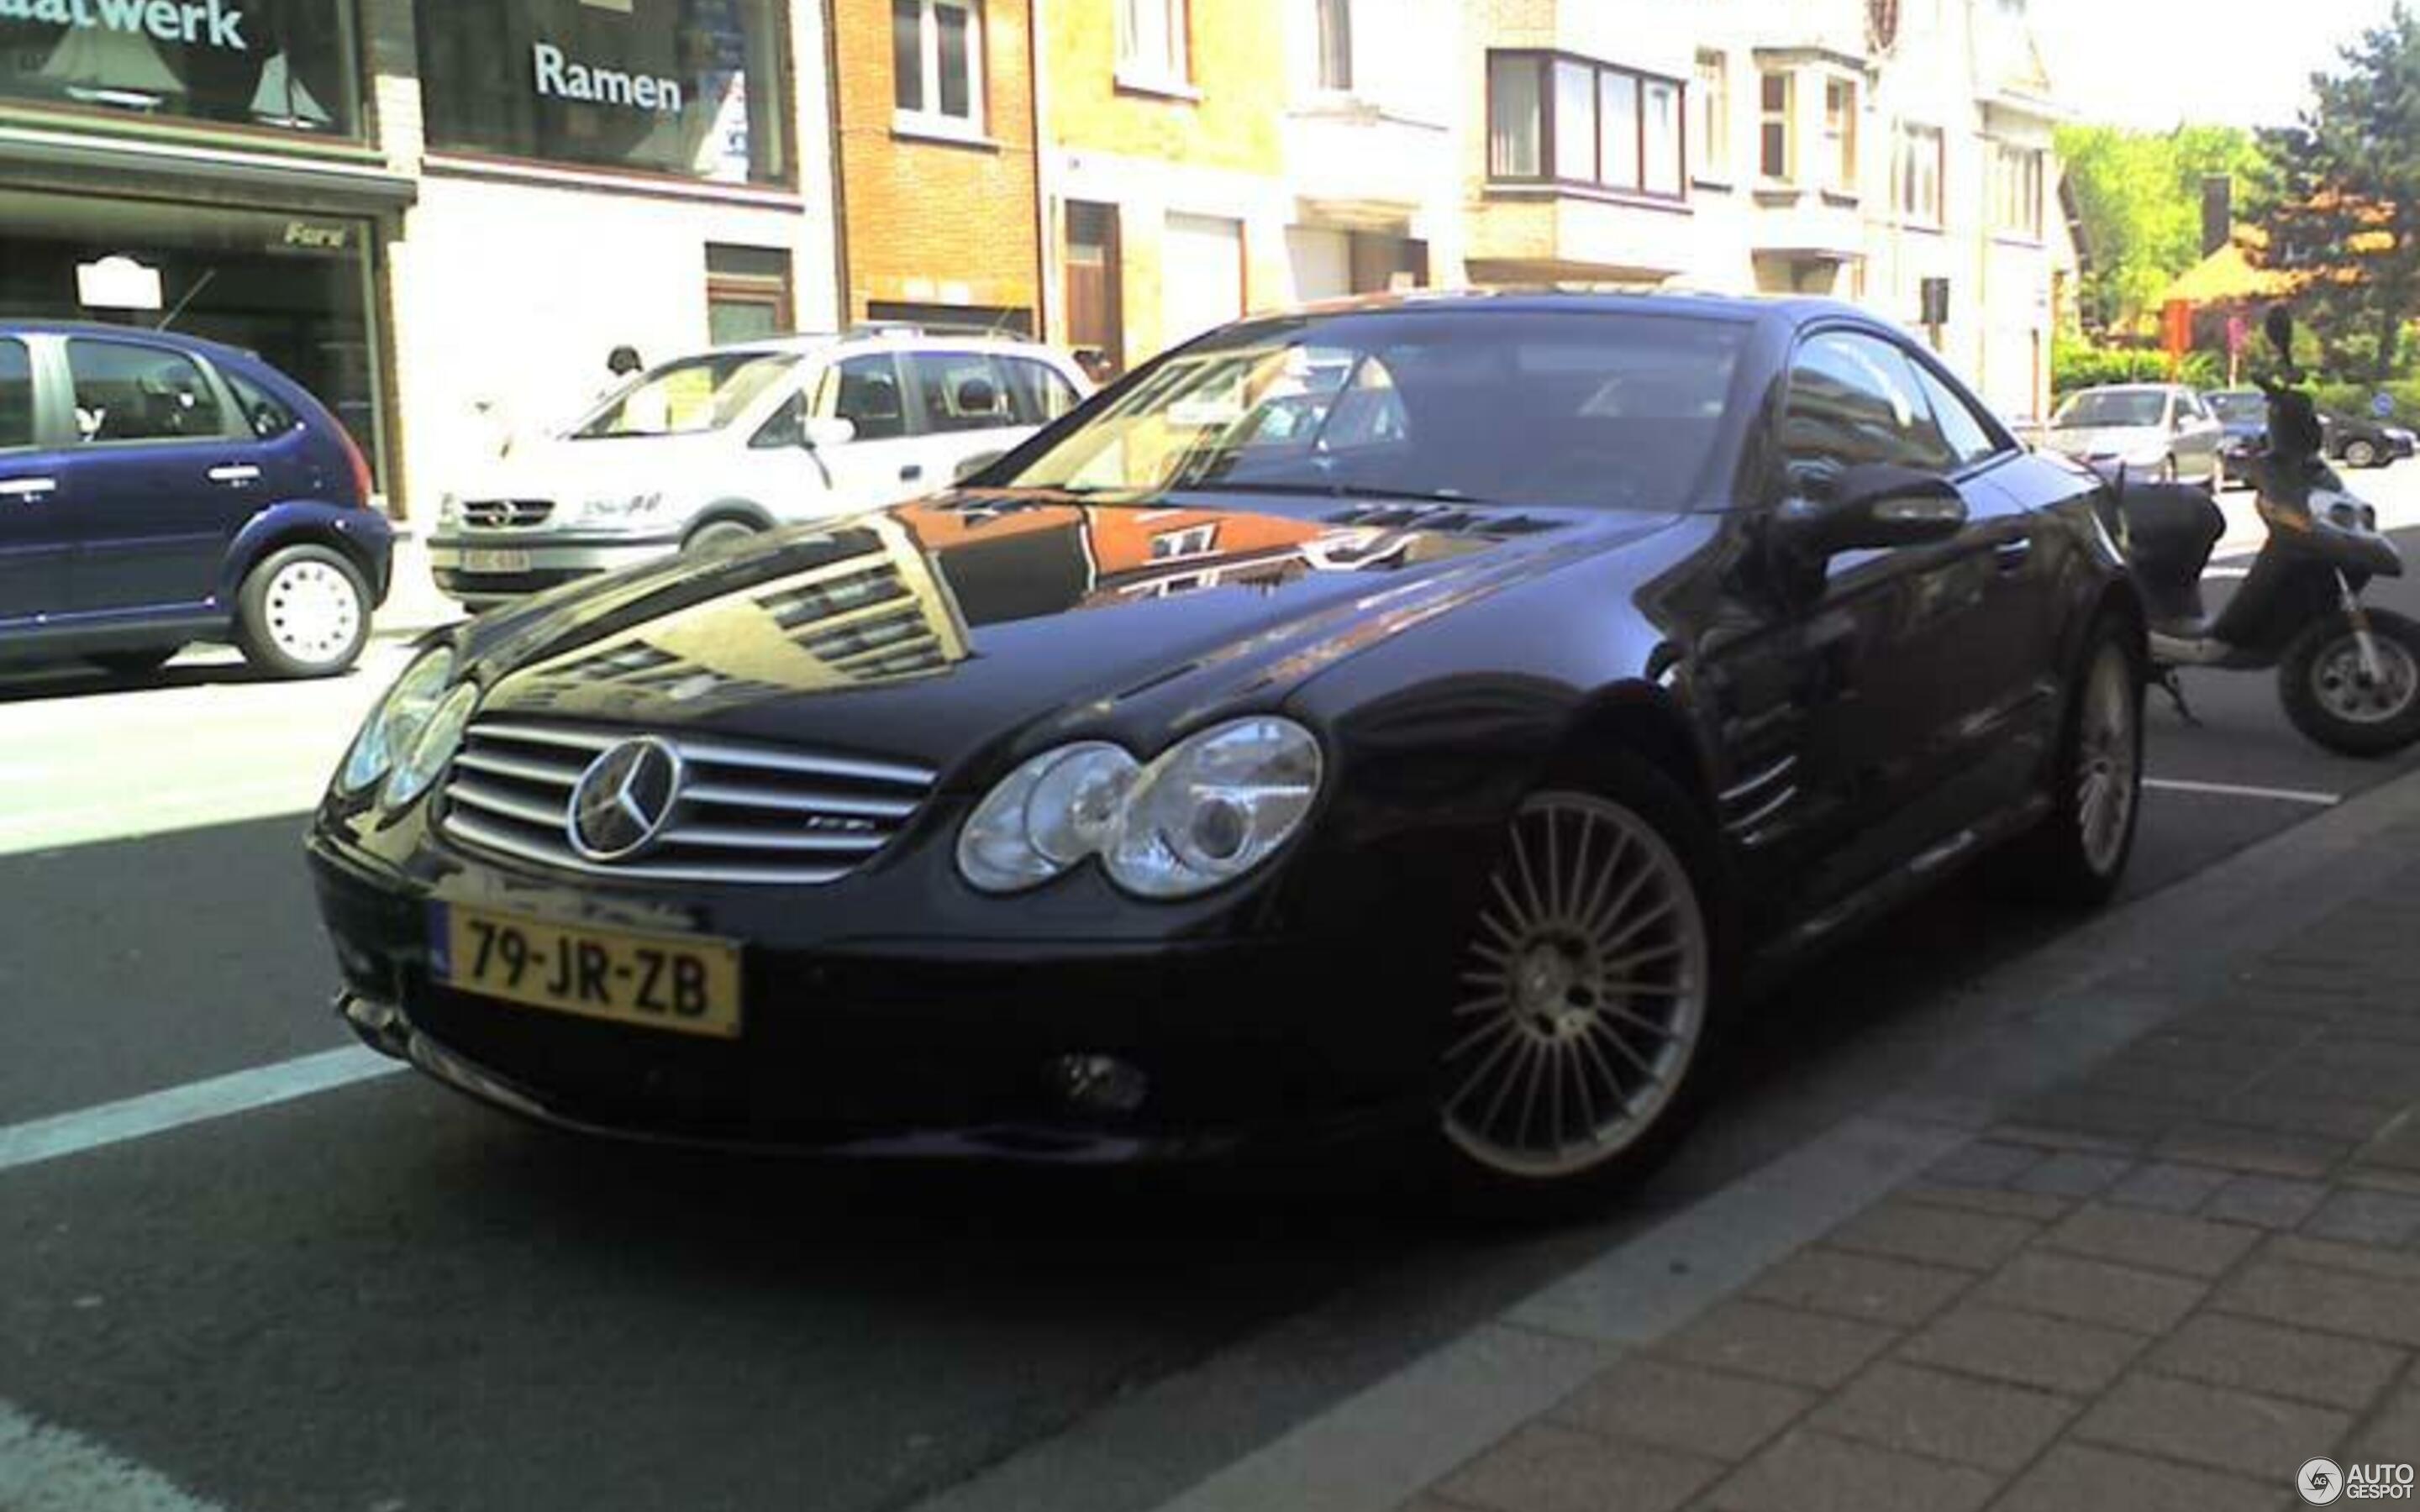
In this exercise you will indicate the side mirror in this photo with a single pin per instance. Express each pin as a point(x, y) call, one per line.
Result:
point(818, 433)
point(975, 464)
point(1871, 506)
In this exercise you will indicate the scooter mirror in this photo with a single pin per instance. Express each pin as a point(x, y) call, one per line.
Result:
point(2279, 326)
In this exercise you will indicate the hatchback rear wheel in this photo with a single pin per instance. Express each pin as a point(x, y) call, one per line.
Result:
point(303, 612)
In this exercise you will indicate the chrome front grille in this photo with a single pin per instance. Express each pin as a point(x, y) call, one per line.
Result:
point(745, 813)
point(507, 513)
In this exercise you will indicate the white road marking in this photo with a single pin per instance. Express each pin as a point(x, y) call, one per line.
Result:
point(48, 1468)
point(2230, 789)
point(218, 1097)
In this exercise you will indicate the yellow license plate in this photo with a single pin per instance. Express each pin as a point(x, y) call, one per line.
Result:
point(685, 983)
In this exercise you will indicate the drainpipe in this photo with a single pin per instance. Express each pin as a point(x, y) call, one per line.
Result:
point(1047, 314)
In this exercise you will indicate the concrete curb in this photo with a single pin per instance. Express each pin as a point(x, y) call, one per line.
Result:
point(2025, 1027)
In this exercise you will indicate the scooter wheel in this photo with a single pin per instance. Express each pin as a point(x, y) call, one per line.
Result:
point(2333, 701)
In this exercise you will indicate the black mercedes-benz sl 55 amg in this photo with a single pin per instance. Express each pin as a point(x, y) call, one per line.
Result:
point(1427, 720)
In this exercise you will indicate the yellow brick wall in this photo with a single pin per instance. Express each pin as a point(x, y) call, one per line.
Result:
point(930, 221)
point(1238, 64)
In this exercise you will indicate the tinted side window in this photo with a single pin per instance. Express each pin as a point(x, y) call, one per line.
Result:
point(130, 393)
point(865, 390)
point(16, 395)
point(962, 391)
point(1968, 434)
point(1038, 391)
point(266, 414)
point(1854, 399)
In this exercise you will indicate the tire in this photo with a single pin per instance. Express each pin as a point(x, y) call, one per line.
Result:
point(2360, 454)
point(133, 664)
point(2077, 856)
point(2327, 697)
point(1614, 884)
point(303, 612)
point(718, 535)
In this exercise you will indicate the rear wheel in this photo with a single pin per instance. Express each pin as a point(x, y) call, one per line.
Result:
point(304, 612)
point(133, 664)
point(2336, 699)
point(2360, 454)
point(1584, 1015)
point(2077, 856)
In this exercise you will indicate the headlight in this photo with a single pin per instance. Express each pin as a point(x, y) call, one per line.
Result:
point(622, 506)
point(436, 744)
point(449, 510)
point(397, 722)
point(1045, 816)
point(1208, 810)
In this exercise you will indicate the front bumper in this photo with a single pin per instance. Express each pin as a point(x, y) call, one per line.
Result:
point(923, 1047)
point(553, 559)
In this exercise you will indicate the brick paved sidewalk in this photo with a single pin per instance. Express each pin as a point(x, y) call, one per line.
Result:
point(2165, 1286)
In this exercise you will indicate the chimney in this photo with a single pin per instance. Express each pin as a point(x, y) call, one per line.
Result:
point(2217, 212)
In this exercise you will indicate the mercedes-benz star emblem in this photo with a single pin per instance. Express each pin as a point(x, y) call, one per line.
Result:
point(621, 804)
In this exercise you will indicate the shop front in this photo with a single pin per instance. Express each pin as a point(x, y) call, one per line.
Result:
point(205, 168)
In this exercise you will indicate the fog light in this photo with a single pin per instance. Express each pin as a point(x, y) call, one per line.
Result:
point(380, 1023)
point(1099, 1084)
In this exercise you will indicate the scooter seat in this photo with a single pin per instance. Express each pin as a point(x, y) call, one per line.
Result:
point(2171, 529)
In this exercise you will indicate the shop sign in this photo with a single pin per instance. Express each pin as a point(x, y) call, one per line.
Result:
point(117, 283)
point(194, 23)
point(558, 76)
point(315, 236)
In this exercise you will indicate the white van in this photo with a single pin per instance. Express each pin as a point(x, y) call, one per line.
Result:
point(701, 452)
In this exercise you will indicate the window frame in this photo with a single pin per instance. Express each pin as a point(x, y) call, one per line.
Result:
point(911, 425)
point(1331, 30)
point(1783, 117)
point(1806, 337)
point(34, 441)
point(1709, 106)
point(232, 427)
point(1171, 73)
point(1840, 155)
point(1912, 134)
point(2019, 176)
point(1545, 61)
point(927, 118)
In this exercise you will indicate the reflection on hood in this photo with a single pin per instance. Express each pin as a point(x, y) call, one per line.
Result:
point(896, 596)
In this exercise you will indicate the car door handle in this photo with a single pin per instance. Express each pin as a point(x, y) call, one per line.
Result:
point(2011, 556)
point(911, 472)
point(235, 475)
point(28, 489)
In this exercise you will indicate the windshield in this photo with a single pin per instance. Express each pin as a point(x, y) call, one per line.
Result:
point(695, 394)
point(2239, 406)
point(2107, 408)
point(1610, 410)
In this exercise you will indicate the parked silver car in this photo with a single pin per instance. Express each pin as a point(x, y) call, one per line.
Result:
point(2151, 430)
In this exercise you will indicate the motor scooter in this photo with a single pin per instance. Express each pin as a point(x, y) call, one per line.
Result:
point(2348, 673)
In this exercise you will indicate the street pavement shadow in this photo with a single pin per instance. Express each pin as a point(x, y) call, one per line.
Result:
point(33, 683)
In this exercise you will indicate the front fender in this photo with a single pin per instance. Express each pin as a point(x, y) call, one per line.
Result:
point(363, 535)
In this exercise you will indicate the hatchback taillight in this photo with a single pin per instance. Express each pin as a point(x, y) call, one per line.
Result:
point(360, 464)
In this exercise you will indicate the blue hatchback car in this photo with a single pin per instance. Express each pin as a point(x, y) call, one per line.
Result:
point(157, 489)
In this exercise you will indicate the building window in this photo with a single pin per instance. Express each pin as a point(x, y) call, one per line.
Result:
point(1571, 121)
point(1334, 22)
point(1713, 117)
point(1777, 156)
point(287, 64)
point(2017, 191)
point(1152, 43)
point(747, 293)
point(1840, 137)
point(693, 87)
point(1921, 151)
point(937, 65)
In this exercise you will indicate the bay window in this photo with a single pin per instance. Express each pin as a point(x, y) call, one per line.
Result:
point(1569, 120)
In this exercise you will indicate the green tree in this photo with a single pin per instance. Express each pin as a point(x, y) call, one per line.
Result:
point(2341, 201)
point(2138, 195)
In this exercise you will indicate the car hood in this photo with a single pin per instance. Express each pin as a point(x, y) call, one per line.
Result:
point(934, 632)
point(2106, 440)
point(566, 471)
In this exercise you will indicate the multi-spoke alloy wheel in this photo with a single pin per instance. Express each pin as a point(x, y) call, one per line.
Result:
point(2107, 737)
point(1584, 995)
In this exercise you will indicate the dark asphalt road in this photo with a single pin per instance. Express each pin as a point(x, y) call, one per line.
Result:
point(383, 1298)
